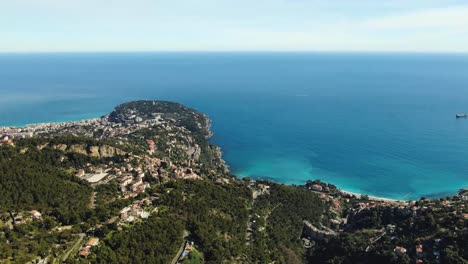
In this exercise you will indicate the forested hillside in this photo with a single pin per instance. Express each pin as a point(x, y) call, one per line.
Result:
point(33, 181)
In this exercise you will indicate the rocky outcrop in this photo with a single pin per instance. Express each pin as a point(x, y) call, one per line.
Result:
point(61, 147)
point(194, 152)
point(81, 149)
point(104, 151)
point(221, 162)
point(108, 151)
point(94, 151)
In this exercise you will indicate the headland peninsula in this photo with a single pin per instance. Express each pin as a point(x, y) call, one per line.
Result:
point(144, 184)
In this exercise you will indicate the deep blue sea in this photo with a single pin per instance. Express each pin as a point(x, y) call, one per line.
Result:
point(382, 124)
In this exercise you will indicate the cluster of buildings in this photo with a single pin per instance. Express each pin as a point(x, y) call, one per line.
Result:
point(6, 140)
point(258, 188)
point(151, 146)
point(11, 219)
point(130, 179)
point(88, 127)
point(136, 211)
point(320, 186)
point(186, 173)
point(420, 253)
point(188, 248)
point(85, 250)
point(455, 207)
point(95, 175)
point(32, 130)
point(131, 185)
point(400, 251)
point(133, 117)
point(178, 140)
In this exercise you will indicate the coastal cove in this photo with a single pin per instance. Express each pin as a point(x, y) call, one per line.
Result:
point(12, 134)
point(378, 124)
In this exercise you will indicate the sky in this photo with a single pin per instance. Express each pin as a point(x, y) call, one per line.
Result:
point(234, 25)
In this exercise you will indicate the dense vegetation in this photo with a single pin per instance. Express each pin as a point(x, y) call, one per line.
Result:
point(215, 216)
point(31, 181)
point(28, 241)
point(278, 224)
point(154, 241)
point(429, 225)
point(36, 180)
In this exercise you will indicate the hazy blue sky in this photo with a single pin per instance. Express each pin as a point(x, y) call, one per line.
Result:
point(318, 25)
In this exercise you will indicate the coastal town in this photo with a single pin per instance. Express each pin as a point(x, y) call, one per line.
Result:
point(170, 154)
point(149, 162)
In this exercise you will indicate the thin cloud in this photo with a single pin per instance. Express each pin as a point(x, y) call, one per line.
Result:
point(293, 25)
point(455, 18)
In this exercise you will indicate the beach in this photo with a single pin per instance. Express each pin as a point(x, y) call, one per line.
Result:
point(374, 198)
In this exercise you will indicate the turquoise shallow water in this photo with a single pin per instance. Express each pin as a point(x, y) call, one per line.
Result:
point(382, 124)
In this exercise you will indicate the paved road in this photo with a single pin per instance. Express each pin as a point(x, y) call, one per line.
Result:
point(181, 249)
point(112, 220)
point(179, 253)
point(77, 244)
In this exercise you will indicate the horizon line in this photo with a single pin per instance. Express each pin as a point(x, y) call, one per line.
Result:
point(239, 51)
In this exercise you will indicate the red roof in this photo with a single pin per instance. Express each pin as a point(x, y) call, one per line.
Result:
point(419, 249)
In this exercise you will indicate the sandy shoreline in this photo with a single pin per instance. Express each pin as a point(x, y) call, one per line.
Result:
point(375, 198)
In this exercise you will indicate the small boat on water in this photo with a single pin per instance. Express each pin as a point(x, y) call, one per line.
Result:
point(460, 115)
